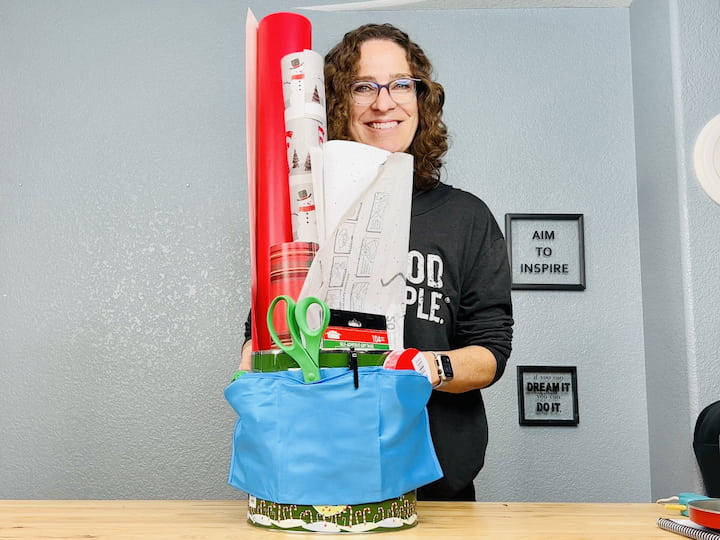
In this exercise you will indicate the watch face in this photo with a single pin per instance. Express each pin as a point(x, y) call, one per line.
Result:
point(447, 366)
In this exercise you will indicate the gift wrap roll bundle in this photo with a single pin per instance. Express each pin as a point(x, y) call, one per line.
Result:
point(303, 86)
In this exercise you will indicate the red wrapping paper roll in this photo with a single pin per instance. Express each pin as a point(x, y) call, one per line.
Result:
point(278, 34)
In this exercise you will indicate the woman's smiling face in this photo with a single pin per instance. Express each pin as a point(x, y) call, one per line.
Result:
point(384, 123)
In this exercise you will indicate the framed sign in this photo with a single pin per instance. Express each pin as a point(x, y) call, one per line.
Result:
point(547, 251)
point(547, 395)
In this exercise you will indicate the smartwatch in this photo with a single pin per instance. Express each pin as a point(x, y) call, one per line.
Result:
point(444, 369)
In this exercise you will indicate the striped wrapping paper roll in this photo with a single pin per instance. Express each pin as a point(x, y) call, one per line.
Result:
point(278, 35)
point(289, 264)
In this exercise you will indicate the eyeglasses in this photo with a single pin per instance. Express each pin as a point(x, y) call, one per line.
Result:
point(401, 90)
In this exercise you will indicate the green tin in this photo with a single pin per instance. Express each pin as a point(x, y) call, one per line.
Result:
point(385, 516)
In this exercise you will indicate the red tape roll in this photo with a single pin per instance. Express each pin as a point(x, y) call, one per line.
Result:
point(278, 34)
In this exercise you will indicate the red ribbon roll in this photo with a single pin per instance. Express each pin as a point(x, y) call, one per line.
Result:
point(278, 34)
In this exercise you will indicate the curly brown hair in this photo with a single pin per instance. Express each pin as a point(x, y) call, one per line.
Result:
point(431, 139)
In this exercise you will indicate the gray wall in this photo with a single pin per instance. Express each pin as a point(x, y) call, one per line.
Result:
point(676, 52)
point(662, 242)
point(698, 76)
point(124, 251)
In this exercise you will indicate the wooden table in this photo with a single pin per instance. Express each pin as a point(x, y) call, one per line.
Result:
point(210, 520)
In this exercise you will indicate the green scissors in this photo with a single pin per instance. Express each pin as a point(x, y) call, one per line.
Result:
point(305, 343)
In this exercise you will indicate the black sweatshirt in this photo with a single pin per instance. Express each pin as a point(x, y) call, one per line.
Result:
point(458, 294)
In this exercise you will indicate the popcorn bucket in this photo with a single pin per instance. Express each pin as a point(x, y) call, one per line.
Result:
point(343, 454)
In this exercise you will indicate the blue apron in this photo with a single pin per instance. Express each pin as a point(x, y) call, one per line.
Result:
point(329, 443)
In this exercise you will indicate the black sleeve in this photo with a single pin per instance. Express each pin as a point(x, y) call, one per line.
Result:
point(485, 316)
point(248, 327)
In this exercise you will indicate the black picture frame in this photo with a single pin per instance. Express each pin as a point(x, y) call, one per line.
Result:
point(547, 396)
point(546, 251)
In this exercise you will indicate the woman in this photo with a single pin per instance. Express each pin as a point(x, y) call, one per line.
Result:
point(380, 92)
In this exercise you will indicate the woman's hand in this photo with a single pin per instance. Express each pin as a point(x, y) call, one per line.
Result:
point(246, 356)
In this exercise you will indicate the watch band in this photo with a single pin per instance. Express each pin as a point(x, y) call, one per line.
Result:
point(444, 369)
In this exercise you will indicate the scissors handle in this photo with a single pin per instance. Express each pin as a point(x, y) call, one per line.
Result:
point(289, 320)
point(313, 336)
point(297, 349)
